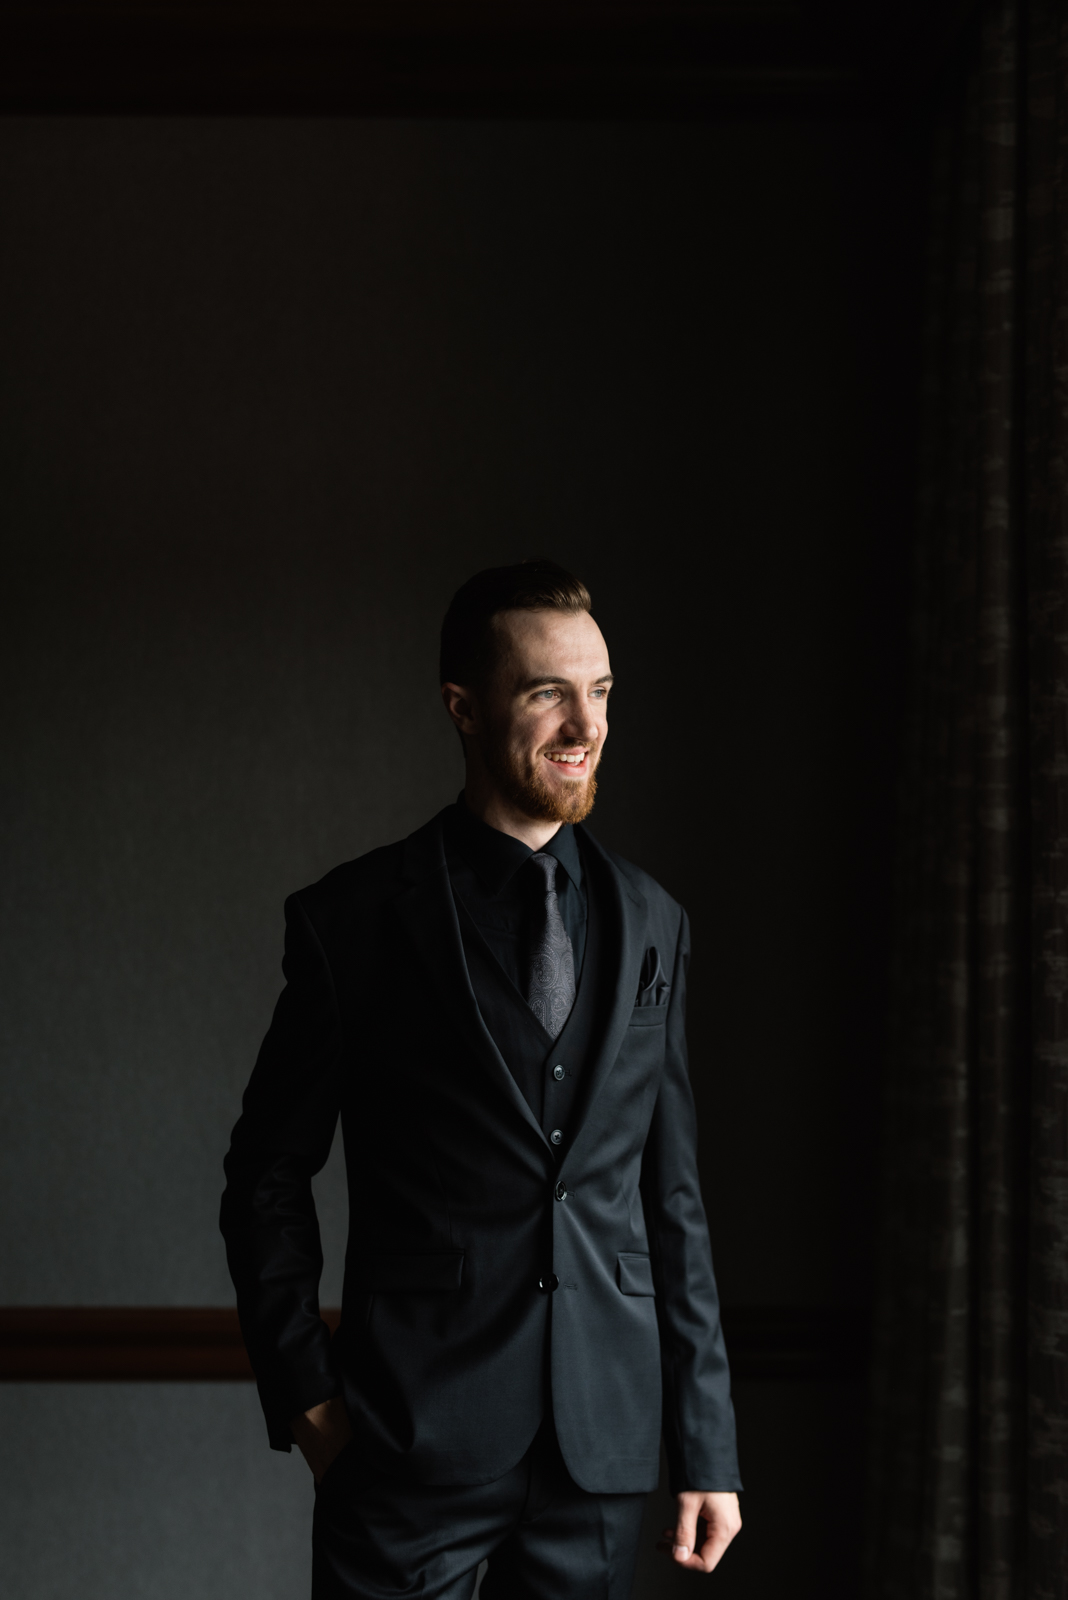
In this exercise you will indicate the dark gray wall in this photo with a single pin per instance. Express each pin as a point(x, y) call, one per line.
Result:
point(268, 392)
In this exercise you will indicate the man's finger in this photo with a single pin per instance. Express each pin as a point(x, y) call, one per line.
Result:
point(723, 1522)
point(711, 1552)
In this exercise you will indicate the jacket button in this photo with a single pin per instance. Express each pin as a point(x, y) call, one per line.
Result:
point(558, 1073)
point(560, 1192)
point(556, 1136)
point(548, 1283)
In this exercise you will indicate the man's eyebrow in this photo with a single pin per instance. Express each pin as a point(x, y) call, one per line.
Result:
point(546, 683)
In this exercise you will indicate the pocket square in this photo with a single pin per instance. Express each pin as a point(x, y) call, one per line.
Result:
point(653, 987)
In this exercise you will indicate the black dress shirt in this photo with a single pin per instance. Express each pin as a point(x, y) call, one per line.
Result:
point(500, 901)
point(504, 897)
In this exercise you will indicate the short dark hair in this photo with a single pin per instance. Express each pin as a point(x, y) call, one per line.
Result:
point(467, 642)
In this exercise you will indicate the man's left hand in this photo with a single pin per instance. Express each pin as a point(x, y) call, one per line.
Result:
point(719, 1511)
point(321, 1434)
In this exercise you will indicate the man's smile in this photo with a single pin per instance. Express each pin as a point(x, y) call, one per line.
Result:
point(576, 760)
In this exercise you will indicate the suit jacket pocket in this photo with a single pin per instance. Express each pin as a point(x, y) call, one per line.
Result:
point(436, 1271)
point(635, 1273)
point(648, 1016)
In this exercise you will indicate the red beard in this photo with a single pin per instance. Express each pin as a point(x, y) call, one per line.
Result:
point(527, 789)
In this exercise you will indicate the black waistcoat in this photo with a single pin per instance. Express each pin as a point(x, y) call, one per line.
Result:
point(549, 1074)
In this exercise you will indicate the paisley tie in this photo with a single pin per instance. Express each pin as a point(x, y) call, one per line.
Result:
point(551, 989)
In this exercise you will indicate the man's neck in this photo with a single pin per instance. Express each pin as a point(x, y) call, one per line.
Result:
point(491, 807)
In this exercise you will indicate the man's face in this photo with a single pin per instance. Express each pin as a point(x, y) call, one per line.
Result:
point(543, 719)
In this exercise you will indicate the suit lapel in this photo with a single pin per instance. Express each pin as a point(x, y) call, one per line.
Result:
point(426, 911)
point(624, 921)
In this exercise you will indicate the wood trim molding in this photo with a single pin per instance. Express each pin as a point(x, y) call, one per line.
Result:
point(122, 1343)
point(797, 1341)
point(195, 1343)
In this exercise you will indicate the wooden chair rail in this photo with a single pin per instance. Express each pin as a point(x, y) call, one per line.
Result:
point(204, 1343)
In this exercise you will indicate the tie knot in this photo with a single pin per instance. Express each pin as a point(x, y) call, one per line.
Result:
point(546, 865)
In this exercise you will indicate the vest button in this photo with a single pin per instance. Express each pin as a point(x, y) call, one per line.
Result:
point(560, 1191)
point(558, 1073)
point(556, 1137)
point(548, 1283)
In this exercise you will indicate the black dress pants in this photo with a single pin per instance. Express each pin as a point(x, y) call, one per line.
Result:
point(544, 1537)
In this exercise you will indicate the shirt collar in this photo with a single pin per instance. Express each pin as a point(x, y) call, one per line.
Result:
point(497, 857)
point(564, 846)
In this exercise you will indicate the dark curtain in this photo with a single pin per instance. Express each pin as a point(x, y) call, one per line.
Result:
point(969, 1490)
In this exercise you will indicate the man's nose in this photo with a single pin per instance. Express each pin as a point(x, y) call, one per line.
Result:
point(580, 724)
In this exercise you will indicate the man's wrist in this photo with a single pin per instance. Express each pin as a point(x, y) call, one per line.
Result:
point(678, 1493)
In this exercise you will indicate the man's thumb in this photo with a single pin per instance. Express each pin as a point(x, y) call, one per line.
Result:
point(684, 1538)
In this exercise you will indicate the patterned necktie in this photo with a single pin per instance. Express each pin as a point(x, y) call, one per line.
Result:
point(551, 990)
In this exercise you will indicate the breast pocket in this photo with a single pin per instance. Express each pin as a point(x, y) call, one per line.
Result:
point(634, 1273)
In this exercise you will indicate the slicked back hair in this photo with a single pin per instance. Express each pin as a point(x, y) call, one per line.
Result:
point(468, 643)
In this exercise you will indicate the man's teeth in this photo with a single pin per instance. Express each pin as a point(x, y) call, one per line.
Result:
point(575, 760)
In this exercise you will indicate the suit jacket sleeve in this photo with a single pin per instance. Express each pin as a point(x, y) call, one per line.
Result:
point(282, 1138)
point(699, 1434)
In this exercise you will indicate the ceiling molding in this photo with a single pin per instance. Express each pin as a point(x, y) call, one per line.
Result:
point(495, 58)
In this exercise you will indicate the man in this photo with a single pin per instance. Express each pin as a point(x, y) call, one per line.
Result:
point(495, 1008)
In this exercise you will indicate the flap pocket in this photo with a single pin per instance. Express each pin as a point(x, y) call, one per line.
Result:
point(635, 1274)
point(648, 1016)
point(438, 1271)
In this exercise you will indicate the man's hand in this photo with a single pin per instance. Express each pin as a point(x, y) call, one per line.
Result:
point(321, 1434)
point(724, 1519)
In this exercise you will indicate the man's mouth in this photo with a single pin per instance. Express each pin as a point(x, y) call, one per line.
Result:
point(567, 758)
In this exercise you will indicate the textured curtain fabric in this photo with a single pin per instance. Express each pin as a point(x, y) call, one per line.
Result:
point(969, 1491)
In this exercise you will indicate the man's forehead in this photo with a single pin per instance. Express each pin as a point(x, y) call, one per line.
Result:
point(551, 632)
point(554, 645)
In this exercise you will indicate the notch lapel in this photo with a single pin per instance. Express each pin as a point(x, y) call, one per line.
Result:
point(426, 911)
point(626, 917)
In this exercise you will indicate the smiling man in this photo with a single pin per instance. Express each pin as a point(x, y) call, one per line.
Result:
point(495, 1008)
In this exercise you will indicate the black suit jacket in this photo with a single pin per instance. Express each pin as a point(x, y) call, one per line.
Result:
point(459, 1208)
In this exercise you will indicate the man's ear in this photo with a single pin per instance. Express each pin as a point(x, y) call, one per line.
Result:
point(460, 706)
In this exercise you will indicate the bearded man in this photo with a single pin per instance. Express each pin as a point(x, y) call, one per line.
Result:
point(495, 1008)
